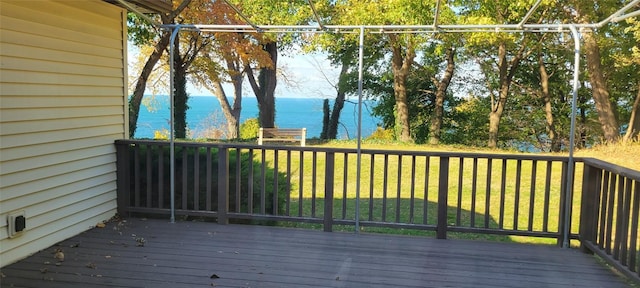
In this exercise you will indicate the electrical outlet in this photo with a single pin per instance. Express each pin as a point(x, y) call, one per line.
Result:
point(17, 223)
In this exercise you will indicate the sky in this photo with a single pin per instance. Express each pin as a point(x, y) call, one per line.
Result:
point(307, 75)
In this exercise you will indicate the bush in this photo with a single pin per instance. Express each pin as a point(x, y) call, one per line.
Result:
point(249, 129)
point(185, 181)
point(381, 135)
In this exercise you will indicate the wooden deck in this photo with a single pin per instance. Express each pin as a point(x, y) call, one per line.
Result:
point(155, 253)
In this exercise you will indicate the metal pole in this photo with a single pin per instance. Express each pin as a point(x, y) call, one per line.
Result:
point(572, 137)
point(172, 148)
point(359, 133)
point(526, 17)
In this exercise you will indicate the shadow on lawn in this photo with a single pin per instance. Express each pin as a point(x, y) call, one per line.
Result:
point(413, 216)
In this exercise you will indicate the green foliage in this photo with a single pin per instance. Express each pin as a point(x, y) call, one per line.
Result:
point(381, 134)
point(249, 129)
point(140, 31)
point(195, 197)
point(470, 126)
point(421, 100)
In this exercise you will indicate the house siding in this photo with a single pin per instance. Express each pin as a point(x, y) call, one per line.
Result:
point(62, 105)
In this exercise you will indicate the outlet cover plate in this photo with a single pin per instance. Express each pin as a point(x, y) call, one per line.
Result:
point(11, 221)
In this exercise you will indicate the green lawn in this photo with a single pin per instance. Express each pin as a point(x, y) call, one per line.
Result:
point(392, 200)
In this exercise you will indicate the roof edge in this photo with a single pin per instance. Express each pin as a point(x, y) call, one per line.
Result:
point(146, 6)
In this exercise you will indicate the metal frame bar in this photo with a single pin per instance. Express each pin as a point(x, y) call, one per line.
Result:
point(526, 17)
point(571, 162)
point(521, 27)
point(493, 28)
point(139, 13)
point(315, 14)
point(436, 14)
point(244, 17)
point(172, 145)
point(620, 13)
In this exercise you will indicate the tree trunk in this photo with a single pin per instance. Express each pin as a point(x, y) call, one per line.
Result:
point(506, 69)
point(180, 94)
point(334, 120)
point(438, 112)
point(326, 114)
point(141, 82)
point(634, 121)
point(401, 64)
point(497, 107)
point(231, 114)
point(548, 108)
point(604, 106)
point(265, 86)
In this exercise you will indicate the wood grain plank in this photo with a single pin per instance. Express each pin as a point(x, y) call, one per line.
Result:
point(187, 254)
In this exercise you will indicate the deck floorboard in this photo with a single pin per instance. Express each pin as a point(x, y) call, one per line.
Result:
point(188, 254)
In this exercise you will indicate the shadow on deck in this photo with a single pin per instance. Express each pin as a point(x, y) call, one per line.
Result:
point(155, 253)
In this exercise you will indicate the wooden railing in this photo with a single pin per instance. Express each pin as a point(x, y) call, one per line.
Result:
point(442, 192)
point(500, 194)
point(610, 212)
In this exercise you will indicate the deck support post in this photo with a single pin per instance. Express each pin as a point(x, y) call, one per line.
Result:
point(568, 201)
point(591, 185)
point(443, 191)
point(223, 185)
point(328, 191)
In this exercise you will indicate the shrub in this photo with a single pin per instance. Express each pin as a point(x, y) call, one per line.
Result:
point(381, 135)
point(185, 182)
point(249, 129)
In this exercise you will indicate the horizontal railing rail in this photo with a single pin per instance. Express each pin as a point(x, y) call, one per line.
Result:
point(610, 212)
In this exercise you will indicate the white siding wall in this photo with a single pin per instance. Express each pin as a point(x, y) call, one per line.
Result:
point(62, 104)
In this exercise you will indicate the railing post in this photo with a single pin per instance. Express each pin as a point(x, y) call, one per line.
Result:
point(223, 185)
point(443, 191)
point(328, 191)
point(123, 176)
point(591, 182)
point(591, 185)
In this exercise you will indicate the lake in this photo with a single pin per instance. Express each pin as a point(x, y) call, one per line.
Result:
point(205, 113)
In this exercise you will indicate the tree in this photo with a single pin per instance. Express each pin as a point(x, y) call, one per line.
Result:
point(511, 50)
point(187, 47)
point(264, 12)
point(224, 61)
point(331, 130)
point(443, 84)
point(628, 64)
point(585, 12)
point(140, 34)
point(401, 47)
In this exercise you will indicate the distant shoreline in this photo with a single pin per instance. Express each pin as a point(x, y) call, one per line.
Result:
point(292, 112)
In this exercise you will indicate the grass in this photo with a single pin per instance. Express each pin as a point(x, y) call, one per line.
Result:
point(624, 154)
point(526, 211)
point(383, 185)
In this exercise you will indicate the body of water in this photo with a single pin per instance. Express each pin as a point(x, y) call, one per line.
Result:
point(205, 112)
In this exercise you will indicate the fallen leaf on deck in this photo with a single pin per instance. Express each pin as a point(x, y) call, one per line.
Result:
point(100, 225)
point(59, 255)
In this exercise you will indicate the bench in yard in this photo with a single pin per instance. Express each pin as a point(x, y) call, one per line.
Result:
point(283, 135)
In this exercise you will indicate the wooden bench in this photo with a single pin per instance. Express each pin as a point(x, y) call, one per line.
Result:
point(283, 135)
